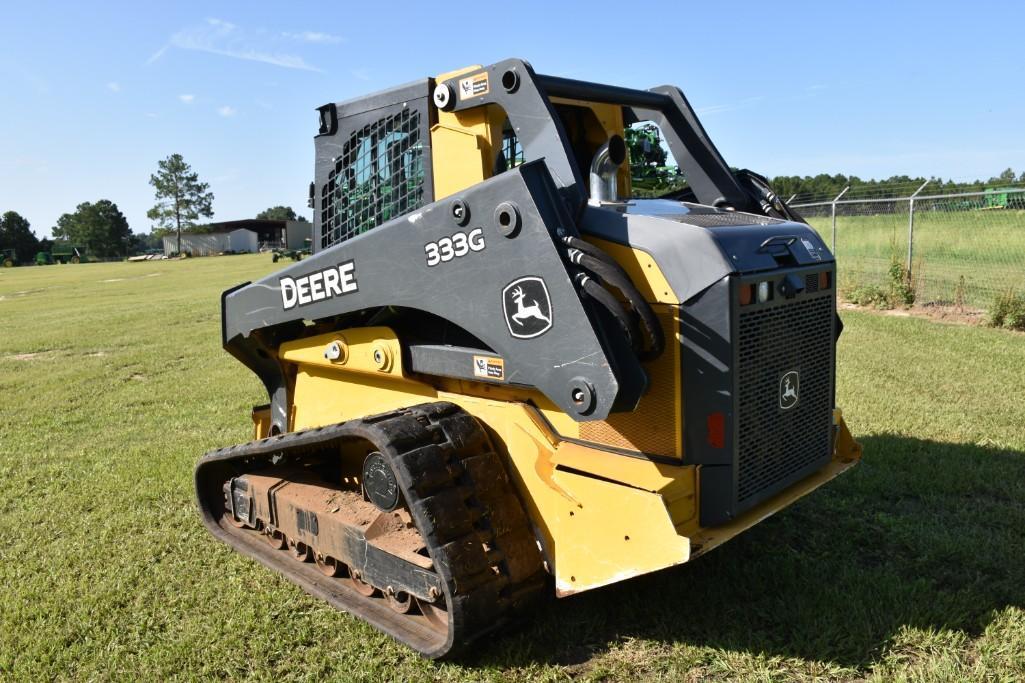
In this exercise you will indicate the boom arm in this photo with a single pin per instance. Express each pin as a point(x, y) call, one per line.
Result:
point(525, 96)
point(571, 361)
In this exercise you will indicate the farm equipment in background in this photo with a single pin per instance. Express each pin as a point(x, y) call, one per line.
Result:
point(1003, 198)
point(8, 258)
point(650, 173)
point(61, 252)
point(294, 254)
point(500, 374)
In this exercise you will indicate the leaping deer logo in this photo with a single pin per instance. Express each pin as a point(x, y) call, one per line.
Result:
point(788, 390)
point(524, 312)
point(527, 307)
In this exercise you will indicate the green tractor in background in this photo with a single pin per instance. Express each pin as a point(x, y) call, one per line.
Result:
point(294, 254)
point(1003, 198)
point(652, 169)
point(61, 252)
point(8, 259)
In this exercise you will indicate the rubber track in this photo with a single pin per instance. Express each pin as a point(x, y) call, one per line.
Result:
point(460, 498)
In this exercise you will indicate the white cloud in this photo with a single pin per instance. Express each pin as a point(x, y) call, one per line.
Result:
point(157, 55)
point(187, 99)
point(114, 86)
point(226, 111)
point(313, 37)
point(219, 37)
point(716, 108)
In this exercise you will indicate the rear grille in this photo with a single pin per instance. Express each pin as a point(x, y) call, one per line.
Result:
point(811, 283)
point(776, 447)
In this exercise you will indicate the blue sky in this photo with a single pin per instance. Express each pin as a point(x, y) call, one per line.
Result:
point(91, 97)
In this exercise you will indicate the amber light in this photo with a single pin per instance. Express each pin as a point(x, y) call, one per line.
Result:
point(824, 280)
point(716, 424)
point(747, 294)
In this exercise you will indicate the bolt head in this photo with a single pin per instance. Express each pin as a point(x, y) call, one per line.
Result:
point(333, 351)
point(442, 96)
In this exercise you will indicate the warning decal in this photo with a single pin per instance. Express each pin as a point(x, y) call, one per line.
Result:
point(489, 368)
point(472, 86)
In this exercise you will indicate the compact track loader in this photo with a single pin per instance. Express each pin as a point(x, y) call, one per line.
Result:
point(501, 373)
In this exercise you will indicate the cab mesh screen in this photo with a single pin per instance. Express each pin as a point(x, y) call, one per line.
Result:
point(379, 176)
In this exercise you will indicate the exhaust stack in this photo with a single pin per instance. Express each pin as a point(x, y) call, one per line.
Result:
point(603, 171)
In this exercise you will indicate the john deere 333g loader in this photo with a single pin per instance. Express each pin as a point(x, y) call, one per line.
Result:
point(500, 373)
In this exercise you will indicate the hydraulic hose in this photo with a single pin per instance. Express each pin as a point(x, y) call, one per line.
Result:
point(771, 204)
point(591, 288)
point(605, 268)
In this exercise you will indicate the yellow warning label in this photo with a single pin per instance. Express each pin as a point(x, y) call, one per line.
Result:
point(489, 368)
point(472, 86)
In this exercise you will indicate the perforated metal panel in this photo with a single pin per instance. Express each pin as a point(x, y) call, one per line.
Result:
point(776, 445)
point(380, 175)
point(725, 219)
point(654, 427)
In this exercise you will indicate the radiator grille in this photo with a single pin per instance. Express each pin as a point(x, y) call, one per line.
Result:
point(776, 446)
point(380, 175)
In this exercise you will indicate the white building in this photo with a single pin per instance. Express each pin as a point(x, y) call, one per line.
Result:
point(244, 236)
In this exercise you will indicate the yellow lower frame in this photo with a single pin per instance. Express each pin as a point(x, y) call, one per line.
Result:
point(600, 517)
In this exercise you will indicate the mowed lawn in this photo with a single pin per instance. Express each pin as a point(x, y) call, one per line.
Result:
point(113, 383)
point(985, 247)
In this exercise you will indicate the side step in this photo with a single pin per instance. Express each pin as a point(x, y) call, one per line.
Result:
point(478, 537)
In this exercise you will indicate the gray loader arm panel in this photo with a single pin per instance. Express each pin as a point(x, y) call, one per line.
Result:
point(553, 345)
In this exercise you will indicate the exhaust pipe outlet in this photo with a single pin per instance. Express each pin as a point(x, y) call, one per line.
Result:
point(603, 171)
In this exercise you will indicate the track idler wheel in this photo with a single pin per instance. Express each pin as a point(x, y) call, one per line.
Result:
point(300, 551)
point(329, 566)
point(357, 583)
point(275, 539)
point(399, 601)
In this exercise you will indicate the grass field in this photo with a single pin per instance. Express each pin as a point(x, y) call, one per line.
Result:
point(986, 247)
point(112, 384)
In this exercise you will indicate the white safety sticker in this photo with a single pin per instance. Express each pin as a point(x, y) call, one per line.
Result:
point(472, 86)
point(489, 368)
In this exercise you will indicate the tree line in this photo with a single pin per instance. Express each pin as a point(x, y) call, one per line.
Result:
point(181, 201)
point(824, 187)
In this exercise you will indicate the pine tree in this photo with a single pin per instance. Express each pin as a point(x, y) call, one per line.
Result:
point(181, 198)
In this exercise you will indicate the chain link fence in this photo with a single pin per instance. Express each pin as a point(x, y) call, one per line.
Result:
point(965, 249)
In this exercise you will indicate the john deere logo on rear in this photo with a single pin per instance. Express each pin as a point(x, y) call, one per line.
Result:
point(788, 390)
point(318, 285)
point(527, 308)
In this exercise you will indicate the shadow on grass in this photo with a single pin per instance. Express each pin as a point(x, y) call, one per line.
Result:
point(921, 534)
